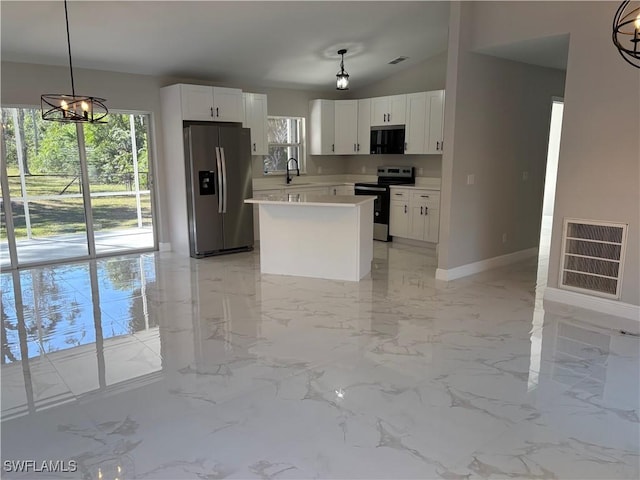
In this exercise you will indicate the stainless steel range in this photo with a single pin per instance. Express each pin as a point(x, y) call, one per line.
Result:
point(387, 176)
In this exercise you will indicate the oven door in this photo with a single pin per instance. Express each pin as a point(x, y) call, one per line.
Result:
point(380, 209)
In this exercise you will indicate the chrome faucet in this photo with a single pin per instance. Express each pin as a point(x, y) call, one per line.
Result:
point(297, 170)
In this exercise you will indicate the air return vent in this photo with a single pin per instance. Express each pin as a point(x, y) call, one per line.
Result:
point(593, 256)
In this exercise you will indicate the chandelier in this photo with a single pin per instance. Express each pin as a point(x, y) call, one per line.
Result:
point(72, 108)
point(626, 32)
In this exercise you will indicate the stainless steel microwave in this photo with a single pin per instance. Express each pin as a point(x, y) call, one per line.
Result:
point(387, 140)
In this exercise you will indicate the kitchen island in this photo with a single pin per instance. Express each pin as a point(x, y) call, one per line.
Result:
point(322, 236)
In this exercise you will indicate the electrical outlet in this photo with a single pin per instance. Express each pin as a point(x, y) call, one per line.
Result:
point(471, 179)
point(319, 169)
point(363, 169)
point(504, 238)
point(420, 171)
point(525, 176)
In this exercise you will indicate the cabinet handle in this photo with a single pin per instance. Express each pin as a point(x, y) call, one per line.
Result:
point(421, 211)
point(424, 196)
point(426, 210)
point(217, 112)
point(254, 147)
point(384, 117)
point(405, 209)
point(212, 111)
point(388, 117)
point(358, 148)
point(333, 149)
point(398, 194)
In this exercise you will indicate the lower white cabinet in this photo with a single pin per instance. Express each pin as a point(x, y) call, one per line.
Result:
point(342, 190)
point(415, 214)
point(307, 190)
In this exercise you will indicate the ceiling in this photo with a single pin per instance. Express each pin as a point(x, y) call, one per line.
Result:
point(272, 44)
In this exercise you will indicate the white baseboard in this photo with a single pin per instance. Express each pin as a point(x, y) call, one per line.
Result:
point(482, 265)
point(164, 246)
point(588, 302)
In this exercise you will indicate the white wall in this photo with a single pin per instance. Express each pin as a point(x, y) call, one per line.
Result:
point(599, 162)
point(497, 116)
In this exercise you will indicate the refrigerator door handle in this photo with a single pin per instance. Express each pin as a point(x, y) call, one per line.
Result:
point(224, 180)
point(219, 172)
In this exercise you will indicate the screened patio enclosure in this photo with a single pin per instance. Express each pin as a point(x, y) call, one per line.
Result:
point(74, 190)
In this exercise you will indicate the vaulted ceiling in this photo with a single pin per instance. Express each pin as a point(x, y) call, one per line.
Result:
point(275, 44)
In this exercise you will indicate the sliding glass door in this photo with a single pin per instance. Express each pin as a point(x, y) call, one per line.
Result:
point(74, 190)
point(119, 181)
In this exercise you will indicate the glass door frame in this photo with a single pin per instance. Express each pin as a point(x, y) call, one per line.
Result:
point(86, 196)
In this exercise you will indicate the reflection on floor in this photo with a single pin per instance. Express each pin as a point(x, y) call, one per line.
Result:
point(156, 366)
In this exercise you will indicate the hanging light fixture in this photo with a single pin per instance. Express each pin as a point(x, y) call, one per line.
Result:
point(342, 78)
point(72, 108)
point(626, 32)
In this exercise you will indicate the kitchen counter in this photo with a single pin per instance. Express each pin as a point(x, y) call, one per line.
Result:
point(306, 200)
point(321, 236)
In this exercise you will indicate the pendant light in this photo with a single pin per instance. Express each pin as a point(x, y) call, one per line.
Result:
point(626, 32)
point(72, 108)
point(342, 78)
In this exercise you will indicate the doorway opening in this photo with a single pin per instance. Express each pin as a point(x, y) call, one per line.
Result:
point(551, 174)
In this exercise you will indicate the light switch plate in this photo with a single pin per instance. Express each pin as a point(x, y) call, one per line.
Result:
point(471, 179)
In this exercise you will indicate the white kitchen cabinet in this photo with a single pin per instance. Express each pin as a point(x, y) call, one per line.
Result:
point(389, 110)
point(425, 121)
point(346, 127)
point(415, 129)
point(342, 190)
point(364, 126)
point(217, 104)
point(307, 190)
point(435, 125)
point(425, 215)
point(322, 127)
point(255, 118)
point(399, 213)
point(415, 214)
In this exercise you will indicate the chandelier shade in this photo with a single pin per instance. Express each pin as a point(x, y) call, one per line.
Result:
point(342, 78)
point(72, 108)
point(626, 32)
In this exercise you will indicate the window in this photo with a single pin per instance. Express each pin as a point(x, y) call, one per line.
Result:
point(286, 140)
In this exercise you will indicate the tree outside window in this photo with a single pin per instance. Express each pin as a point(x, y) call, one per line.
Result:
point(286, 140)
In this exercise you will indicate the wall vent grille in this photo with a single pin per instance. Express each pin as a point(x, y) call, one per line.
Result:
point(593, 257)
point(395, 61)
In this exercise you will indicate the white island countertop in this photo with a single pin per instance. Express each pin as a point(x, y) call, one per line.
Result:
point(311, 200)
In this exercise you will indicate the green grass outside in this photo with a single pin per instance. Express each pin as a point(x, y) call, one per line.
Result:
point(66, 215)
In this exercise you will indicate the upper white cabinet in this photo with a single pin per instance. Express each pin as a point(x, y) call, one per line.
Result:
point(346, 127)
point(364, 126)
point(414, 133)
point(425, 120)
point(255, 118)
point(343, 127)
point(390, 110)
point(218, 104)
point(435, 123)
point(322, 127)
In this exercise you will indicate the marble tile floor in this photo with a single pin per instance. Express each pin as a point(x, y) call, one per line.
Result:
point(159, 367)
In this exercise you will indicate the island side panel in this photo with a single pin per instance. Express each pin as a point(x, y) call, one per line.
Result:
point(365, 243)
point(310, 241)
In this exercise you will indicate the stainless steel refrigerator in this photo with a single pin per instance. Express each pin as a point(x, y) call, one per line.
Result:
point(218, 162)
